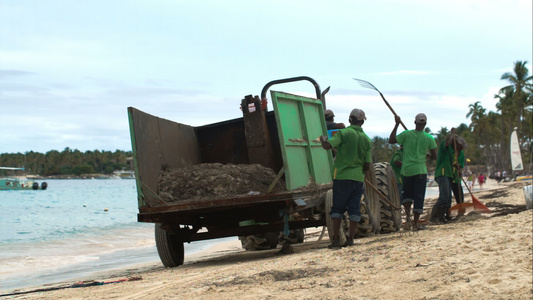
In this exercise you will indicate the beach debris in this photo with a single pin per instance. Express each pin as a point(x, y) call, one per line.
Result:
point(215, 180)
point(78, 284)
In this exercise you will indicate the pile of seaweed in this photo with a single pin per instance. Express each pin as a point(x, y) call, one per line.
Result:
point(216, 181)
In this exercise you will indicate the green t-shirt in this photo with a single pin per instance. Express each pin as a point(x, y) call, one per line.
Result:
point(416, 145)
point(354, 148)
point(397, 156)
point(446, 160)
point(461, 159)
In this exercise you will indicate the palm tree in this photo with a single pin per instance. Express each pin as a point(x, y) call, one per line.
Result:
point(520, 88)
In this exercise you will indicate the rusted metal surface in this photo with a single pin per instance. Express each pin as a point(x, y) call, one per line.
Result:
point(159, 144)
point(223, 142)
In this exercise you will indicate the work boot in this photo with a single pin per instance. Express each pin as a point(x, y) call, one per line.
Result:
point(336, 244)
point(349, 242)
point(437, 214)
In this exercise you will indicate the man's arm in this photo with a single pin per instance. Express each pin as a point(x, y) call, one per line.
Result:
point(367, 166)
point(392, 137)
point(433, 154)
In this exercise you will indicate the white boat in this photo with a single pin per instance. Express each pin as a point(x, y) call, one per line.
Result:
point(15, 183)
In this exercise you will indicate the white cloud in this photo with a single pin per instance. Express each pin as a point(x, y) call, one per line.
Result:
point(406, 72)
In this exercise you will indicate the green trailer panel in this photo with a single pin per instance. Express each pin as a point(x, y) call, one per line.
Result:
point(300, 123)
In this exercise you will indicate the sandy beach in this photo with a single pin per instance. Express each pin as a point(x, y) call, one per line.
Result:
point(476, 256)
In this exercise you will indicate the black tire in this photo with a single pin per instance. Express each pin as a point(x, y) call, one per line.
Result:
point(386, 183)
point(370, 210)
point(262, 241)
point(169, 247)
point(272, 239)
point(300, 235)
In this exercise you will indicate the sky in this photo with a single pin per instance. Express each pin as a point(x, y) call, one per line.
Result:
point(70, 69)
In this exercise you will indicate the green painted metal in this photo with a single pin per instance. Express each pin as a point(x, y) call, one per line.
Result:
point(300, 123)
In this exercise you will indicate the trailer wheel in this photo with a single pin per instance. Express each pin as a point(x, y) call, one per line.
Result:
point(262, 241)
point(299, 235)
point(169, 247)
point(386, 183)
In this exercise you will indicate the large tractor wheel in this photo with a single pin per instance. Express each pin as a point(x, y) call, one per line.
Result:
point(386, 183)
point(169, 247)
point(370, 208)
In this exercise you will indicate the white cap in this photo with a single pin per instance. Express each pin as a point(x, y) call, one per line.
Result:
point(421, 118)
point(358, 114)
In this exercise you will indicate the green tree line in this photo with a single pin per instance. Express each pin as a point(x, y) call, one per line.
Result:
point(67, 162)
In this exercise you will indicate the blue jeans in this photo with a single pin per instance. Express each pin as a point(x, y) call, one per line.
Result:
point(414, 190)
point(347, 197)
point(445, 192)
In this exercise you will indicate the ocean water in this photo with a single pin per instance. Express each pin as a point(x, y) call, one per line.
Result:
point(74, 229)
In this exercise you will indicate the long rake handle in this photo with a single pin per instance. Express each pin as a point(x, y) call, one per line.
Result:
point(387, 200)
point(392, 110)
point(381, 194)
point(369, 85)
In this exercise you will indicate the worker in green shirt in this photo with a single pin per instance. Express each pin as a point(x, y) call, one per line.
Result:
point(416, 145)
point(457, 187)
point(446, 173)
point(353, 159)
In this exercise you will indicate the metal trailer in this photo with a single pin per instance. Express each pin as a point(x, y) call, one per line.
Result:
point(285, 140)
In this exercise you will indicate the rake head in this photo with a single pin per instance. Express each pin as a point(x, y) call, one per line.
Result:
point(366, 84)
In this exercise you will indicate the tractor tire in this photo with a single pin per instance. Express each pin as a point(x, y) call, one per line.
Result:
point(370, 208)
point(169, 247)
point(386, 183)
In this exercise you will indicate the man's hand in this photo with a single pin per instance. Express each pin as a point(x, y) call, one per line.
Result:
point(397, 119)
point(324, 142)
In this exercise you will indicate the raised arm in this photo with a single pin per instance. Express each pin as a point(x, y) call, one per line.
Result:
point(392, 137)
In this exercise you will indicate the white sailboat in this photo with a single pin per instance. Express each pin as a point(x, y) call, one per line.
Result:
point(516, 157)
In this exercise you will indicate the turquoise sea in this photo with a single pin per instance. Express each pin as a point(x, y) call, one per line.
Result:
point(73, 229)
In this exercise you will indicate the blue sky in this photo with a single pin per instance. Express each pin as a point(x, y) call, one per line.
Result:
point(69, 69)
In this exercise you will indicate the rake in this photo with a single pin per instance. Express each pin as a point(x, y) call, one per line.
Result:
point(478, 206)
point(369, 85)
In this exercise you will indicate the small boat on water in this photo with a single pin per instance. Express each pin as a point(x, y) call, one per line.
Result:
point(15, 183)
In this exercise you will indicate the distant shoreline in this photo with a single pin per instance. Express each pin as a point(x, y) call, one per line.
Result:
point(85, 176)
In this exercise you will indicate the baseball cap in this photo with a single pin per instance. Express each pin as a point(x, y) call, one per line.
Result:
point(461, 142)
point(421, 118)
point(328, 113)
point(358, 114)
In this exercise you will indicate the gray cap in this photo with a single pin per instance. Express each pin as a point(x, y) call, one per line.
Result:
point(328, 113)
point(461, 142)
point(421, 118)
point(358, 114)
